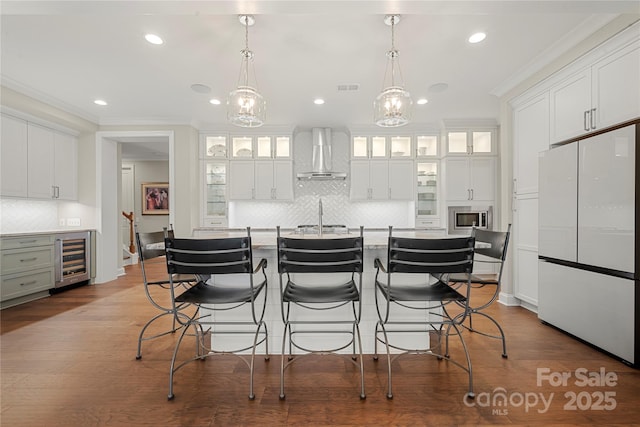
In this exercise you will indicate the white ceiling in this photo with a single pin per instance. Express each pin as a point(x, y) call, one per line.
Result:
point(69, 53)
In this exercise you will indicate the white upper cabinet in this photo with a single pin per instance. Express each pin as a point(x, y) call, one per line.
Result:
point(65, 169)
point(241, 180)
point(381, 180)
point(242, 147)
point(401, 179)
point(369, 147)
point(14, 157)
point(213, 147)
point(400, 147)
point(615, 84)
point(38, 162)
point(273, 180)
point(427, 146)
point(470, 142)
point(470, 179)
point(427, 188)
point(40, 165)
point(273, 147)
point(598, 96)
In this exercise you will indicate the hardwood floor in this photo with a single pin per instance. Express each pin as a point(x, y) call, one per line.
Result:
point(69, 360)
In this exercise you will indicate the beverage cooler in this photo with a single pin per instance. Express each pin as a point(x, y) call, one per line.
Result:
point(589, 247)
point(72, 258)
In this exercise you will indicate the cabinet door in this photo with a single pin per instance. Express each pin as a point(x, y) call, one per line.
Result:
point(40, 162)
point(241, 180)
point(215, 193)
point(263, 180)
point(283, 180)
point(570, 106)
point(531, 136)
point(65, 166)
point(379, 179)
point(482, 179)
point(401, 178)
point(616, 87)
point(359, 180)
point(457, 179)
point(14, 157)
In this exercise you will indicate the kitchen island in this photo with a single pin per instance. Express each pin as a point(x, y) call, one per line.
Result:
point(264, 243)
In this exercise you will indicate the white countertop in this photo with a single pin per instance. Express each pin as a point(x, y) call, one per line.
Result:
point(265, 238)
point(42, 232)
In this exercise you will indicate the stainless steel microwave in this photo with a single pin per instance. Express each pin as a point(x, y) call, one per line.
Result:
point(463, 218)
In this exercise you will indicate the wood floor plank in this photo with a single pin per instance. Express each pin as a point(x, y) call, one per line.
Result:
point(69, 360)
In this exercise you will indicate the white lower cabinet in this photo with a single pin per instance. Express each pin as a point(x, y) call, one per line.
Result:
point(597, 308)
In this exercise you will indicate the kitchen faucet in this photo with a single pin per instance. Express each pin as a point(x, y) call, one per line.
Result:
point(320, 217)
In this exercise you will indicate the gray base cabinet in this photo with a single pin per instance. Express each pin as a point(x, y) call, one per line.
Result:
point(27, 269)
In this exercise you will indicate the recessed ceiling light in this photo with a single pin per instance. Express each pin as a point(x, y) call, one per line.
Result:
point(100, 102)
point(318, 101)
point(153, 39)
point(422, 101)
point(214, 101)
point(477, 37)
point(200, 88)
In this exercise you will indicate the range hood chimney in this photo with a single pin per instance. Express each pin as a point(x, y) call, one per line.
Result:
point(321, 158)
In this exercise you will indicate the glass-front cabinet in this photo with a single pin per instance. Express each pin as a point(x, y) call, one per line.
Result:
point(381, 147)
point(427, 189)
point(427, 145)
point(215, 193)
point(214, 146)
point(273, 147)
point(241, 147)
point(478, 142)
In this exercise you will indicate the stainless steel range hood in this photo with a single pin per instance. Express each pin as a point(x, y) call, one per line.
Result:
point(321, 158)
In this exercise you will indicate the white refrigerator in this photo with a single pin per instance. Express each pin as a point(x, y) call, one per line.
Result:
point(589, 244)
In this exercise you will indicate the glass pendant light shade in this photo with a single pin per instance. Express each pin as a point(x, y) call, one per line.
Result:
point(392, 107)
point(245, 106)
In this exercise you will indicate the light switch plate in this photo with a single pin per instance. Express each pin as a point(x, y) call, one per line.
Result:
point(62, 222)
point(73, 222)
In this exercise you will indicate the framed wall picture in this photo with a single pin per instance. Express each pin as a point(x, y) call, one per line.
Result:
point(155, 198)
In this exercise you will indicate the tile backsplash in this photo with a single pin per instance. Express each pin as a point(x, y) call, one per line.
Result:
point(18, 215)
point(337, 207)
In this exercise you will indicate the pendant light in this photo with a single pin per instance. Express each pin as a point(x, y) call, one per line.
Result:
point(245, 106)
point(392, 107)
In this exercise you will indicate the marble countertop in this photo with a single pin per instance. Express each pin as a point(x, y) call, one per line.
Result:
point(265, 238)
